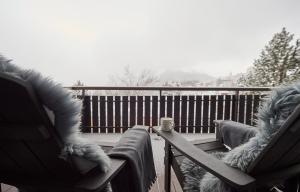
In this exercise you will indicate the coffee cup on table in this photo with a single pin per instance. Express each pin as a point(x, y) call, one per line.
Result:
point(166, 124)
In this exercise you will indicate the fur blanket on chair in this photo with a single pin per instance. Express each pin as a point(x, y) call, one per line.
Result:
point(273, 113)
point(67, 111)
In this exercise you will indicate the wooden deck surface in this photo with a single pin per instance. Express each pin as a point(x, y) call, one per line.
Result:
point(158, 153)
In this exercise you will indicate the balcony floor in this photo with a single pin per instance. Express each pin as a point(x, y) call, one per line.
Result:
point(158, 153)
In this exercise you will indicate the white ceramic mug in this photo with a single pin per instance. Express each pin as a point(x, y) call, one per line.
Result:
point(166, 124)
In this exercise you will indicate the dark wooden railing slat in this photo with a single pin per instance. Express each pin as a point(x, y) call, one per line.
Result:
point(110, 112)
point(256, 103)
point(220, 105)
point(140, 109)
point(86, 114)
point(117, 114)
point(249, 101)
point(147, 110)
point(162, 104)
point(191, 114)
point(212, 115)
point(228, 102)
point(132, 102)
point(102, 114)
point(154, 110)
point(169, 106)
point(176, 112)
point(205, 113)
point(198, 115)
point(241, 111)
point(255, 108)
point(234, 109)
point(124, 113)
point(183, 113)
point(95, 107)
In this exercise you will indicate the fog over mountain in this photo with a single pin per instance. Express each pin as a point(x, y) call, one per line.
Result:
point(181, 76)
point(91, 40)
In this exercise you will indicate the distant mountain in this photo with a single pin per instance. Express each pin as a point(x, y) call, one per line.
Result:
point(181, 76)
point(233, 77)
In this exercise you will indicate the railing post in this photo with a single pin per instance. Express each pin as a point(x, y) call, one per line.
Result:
point(237, 94)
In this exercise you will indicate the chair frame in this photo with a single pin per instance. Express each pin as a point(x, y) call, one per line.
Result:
point(92, 181)
point(236, 178)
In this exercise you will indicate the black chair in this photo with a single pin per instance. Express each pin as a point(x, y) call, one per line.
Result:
point(30, 147)
point(279, 162)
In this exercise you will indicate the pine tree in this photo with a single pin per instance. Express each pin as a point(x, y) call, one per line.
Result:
point(278, 63)
point(294, 71)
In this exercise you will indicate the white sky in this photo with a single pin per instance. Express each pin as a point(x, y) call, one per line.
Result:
point(89, 40)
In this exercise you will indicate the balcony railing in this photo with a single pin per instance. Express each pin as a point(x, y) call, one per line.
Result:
point(115, 109)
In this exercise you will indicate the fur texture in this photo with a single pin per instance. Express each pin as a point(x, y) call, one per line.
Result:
point(273, 113)
point(67, 112)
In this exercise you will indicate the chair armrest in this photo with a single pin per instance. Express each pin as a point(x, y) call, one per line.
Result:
point(230, 175)
point(142, 127)
point(232, 133)
point(96, 180)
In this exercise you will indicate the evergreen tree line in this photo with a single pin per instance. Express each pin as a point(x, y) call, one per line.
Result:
point(278, 63)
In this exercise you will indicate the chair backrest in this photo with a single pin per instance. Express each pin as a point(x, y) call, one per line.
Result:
point(29, 144)
point(283, 149)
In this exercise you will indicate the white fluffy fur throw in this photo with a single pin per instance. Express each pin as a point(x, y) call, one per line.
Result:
point(273, 113)
point(67, 111)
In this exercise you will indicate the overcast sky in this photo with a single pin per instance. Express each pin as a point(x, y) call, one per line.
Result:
point(89, 40)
